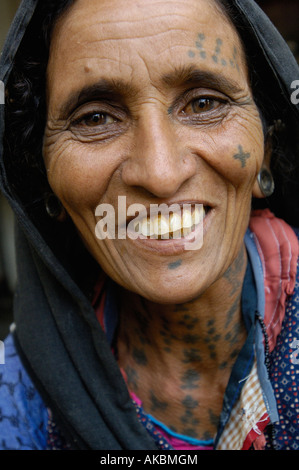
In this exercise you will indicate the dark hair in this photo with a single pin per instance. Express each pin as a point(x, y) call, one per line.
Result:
point(25, 110)
point(26, 113)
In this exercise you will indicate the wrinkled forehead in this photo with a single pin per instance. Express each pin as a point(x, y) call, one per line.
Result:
point(117, 36)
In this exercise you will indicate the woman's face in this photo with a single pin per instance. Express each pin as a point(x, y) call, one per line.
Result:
point(150, 100)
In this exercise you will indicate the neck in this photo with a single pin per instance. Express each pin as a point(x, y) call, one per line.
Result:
point(178, 356)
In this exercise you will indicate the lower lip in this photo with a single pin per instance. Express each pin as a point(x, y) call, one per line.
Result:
point(170, 247)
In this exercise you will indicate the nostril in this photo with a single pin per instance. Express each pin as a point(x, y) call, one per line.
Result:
point(160, 178)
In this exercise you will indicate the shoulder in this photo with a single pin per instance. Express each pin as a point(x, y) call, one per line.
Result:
point(23, 415)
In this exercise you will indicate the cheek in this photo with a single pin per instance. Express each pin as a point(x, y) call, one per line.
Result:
point(78, 174)
point(236, 151)
point(240, 161)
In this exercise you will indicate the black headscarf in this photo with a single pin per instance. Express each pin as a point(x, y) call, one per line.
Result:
point(57, 333)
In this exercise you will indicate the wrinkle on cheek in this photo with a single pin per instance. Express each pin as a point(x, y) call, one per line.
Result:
point(55, 151)
point(55, 133)
point(247, 125)
point(75, 177)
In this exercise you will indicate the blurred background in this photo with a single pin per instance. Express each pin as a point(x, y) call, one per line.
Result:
point(7, 252)
point(285, 16)
point(283, 13)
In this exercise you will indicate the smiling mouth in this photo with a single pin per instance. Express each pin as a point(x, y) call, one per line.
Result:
point(176, 225)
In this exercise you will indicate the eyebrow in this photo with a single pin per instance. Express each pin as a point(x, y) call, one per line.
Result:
point(117, 89)
point(191, 75)
point(104, 89)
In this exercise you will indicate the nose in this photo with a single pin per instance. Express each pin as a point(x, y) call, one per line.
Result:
point(157, 160)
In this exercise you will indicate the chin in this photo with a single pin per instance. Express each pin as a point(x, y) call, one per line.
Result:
point(169, 294)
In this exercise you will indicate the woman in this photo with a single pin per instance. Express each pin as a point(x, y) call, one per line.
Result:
point(148, 341)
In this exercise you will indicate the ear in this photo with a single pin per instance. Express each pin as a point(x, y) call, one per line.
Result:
point(257, 192)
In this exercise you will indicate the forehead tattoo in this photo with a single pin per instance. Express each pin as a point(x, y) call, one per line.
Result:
point(217, 56)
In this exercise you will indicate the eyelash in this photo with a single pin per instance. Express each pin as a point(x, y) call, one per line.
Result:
point(217, 100)
point(214, 103)
point(91, 115)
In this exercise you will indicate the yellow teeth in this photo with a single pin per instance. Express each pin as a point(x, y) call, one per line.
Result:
point(198, 215)
point(174, 226)
point(147, 229)
point(187, 219)
point(161, 225)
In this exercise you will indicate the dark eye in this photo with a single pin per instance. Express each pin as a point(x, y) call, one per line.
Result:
point(96, 119)
point(200, 105)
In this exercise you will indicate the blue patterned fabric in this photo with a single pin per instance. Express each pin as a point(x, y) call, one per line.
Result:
point(25, 422)
point(285, 376)
point(23, 416)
